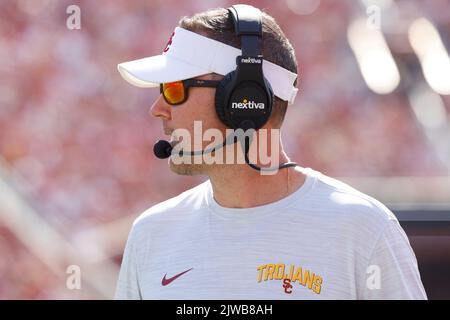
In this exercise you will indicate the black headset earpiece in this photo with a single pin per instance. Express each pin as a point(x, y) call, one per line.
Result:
point(221, 100)
point(244, 98)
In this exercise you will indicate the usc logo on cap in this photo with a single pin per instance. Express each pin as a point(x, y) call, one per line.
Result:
point(169, 43)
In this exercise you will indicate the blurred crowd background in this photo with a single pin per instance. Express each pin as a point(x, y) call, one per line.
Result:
point(76, 161)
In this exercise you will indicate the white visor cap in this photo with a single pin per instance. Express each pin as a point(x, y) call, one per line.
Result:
point(188, 55)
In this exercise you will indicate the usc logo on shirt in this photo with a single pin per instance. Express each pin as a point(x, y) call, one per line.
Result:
point(303, 277)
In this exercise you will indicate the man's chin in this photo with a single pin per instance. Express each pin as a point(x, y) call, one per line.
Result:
point(186, 169)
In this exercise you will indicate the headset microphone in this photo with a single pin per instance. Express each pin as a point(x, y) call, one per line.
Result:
point(162, 149)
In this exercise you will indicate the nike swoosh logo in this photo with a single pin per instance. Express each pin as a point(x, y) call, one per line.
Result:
point(165, 281)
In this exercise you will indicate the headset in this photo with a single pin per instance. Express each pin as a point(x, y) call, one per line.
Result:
point(244, 98)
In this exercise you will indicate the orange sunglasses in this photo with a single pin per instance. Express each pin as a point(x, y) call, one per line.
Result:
point(177, 92)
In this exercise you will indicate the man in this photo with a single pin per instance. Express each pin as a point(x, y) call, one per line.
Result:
point(291, 234)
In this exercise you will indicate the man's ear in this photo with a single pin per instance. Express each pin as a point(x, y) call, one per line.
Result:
point(278, 113)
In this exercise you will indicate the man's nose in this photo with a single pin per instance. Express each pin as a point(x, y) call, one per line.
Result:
point(160, 109)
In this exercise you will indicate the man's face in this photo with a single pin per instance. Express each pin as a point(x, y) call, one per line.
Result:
point(198, 107)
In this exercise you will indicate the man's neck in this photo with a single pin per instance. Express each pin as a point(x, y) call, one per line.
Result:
point(243, 187)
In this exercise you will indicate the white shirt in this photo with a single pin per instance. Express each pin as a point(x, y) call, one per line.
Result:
point(324, 241)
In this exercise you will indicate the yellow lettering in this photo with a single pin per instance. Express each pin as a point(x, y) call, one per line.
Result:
point(317, 284)
point(269, 272)
point(279, 271)
point(261, 270)
point(291, 273)
point(308, 279)
point(298, 275)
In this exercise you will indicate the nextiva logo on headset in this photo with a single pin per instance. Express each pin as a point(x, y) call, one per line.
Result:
point(247, 105)
point(251, 60)
point(244, 98)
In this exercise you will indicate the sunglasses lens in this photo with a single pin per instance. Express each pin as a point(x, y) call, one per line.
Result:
point(173, 92)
